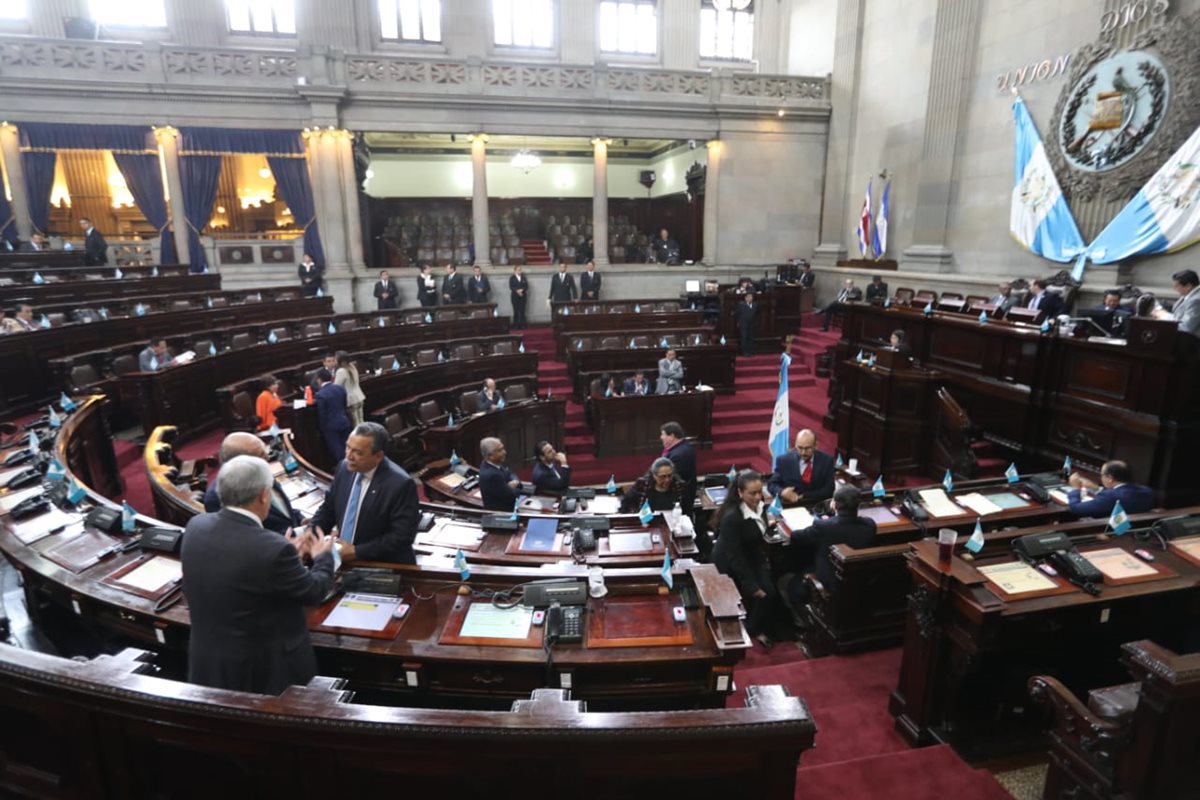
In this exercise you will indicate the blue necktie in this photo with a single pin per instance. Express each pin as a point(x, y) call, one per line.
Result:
point(351, 518)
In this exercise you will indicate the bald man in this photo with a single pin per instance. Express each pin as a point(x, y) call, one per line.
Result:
point(803, 474)
point(282, 517)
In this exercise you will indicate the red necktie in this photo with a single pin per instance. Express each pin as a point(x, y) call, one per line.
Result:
point(806, 474)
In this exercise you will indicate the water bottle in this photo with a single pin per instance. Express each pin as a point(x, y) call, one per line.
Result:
point(676, 516)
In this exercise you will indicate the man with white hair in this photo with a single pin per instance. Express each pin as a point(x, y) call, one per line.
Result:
point(498, 486)
point(246, 589)
point(282, 516)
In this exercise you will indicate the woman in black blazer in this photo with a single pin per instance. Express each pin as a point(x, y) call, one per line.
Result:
point(740, 551)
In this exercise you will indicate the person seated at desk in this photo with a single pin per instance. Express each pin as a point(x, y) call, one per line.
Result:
point(498, 486)
point(551, 472)
point(247, 589)
point(877, 290)
point(898, 341)
point(606, 386)
point(670, 374)
point(637, 385)
point(740, 552)
point(1110, 316)
point(372, 502)
point(812, 548)
point(488, 396)
point(155, 356)
point(803, 474)
point(281, 517)
point(268, 403)
point(1003, 298)
point(808, 278)
point(21, 321)
point(332, 419)
point(36, 244)
point(849, 293)
point(1042, 299)
point(1117, 481)
point(659, 487)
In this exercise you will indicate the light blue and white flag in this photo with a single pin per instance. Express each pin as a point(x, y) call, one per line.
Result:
point(928, 310)
point(776, 507)
point(1038, 214)
point(871, 360)
point(454, 459)
point(139, 310)
point(1118, 520)
point(428, 317)
point(37, 278)
point(887, 302)
point(320, 292)
point(665, 572)
point(66, 403)
point(1011, 474)
point(722, 338)
point(441, 356)
point(289, 461)
point(1161, 218)
point(975, 543)
point(56, 472)
point(1066, 466)
point(637, 308)
point(154, 271)
point(75, 492)
point(877, 489)
point(633, 344)
point(983, 317)
point(521, 347)
point(332, 328)
point(272, 338)
point(212, 348)
point(732, 474)
point(948, 481)
point(44, 321)
point(274, 431)
point(516, 507)
point(778, 436)
point(395, 364)
point(645, 514)
point(118, 274)
point(35, 444)
point(611, 488)
point(860, 358)
point(128, 517)
point(460, 564)
point(500, 402)
point(55, 419)
point(838, 463)
point(1045, 326)
point(450, 420)
point(880, 234)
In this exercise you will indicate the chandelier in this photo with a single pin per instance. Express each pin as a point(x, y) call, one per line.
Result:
point(526, 161)
point(731, 5)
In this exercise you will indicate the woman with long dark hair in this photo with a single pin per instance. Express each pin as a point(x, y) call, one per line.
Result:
point(740, 551)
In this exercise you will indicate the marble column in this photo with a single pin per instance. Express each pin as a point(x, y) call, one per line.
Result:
point(955, 37)
point(327, 193)
point(712, 179)
point(352, 217)
point(10, 151)
point(843, 123)
point(600, 201)
point(479, 201)
point(168, 148)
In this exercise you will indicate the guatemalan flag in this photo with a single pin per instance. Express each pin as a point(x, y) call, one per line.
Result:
point(879, 235)
point(1039, 217)
point(777, 438)
point(864, 223)
point(1164, 216)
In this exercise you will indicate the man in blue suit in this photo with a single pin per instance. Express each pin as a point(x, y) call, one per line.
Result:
point(332, 419)
point(804, 474)
point(281, 516)
point(372, 502)
point(498, 485)
point(1117, 481)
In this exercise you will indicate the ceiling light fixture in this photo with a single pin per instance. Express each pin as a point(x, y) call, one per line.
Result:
point(526, 161)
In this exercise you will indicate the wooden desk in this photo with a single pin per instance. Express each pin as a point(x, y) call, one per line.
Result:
point(42, 259)
point(519, 425)
point(712, 365)
point(83, 292)
point(630, 425)
point(624, 324)
point(968, 653)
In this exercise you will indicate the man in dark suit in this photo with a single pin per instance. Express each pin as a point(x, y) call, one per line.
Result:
point(385, 291)
point(311, 275)
point(479, 288)
point(803, 474)
point(453, 290)
point(281, 517)
point(849, 293)
point(246, 589)
point(551, 472)
point(1116, 484)
point(518, 293)
point(677, 448)
point(498, 485)
point(332, 419)
point(427, 287)
point(488, 397)
point(1041, 299)
point(745, 317)
point(95, 249)
point(1110, 316)
point(589, 283)
point(637, 385)
point(372, 502)
point(812, 548)
point(877, 290)
point(808, 278)
point(562, 285)
point(36, 244)
point(155, 356)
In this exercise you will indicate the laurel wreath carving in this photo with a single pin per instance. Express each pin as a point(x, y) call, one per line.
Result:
point(1156, 81)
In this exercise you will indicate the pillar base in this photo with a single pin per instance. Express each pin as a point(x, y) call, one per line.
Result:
point(828, 254)
point(927, 258)
point(601, 262)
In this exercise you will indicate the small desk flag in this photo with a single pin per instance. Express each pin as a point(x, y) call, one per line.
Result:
point(928, 309)
point(212, 348)
point(289, 462)
point(732, 474)
point(454, 459)
point(667, 577)
point(44, 321)
point(500, 403)
point(612, 484)
point(887, 302)
point(118, 274)
point(983, 317)
point(776, 507)
point(128, 517)
point(139, 310)
point(516, 505)
point(871, 361)
point(56, 472)
point(1045, 327)
point(860, 358)
point(320, 292)
point(75, 492)
point(645, 514)
point(460, 564)
point(428, 317)
point(1118, 520)
point(395, 364)
point(37, 278)
point(838, 463)
point(948, 481)
point(34, 443)
point(722, 338)
point(272, 338)
point(332, 328)
point(1066, 466)
point(878, 489)
point(521, 347)
point(450, 421)
point(273, 432)
point(153, 363)
point(975, 543)
point(208, 302)
point(154, 271)
point(637, 308)
point(1011, 473)
point(55, 419)
point(67, 403)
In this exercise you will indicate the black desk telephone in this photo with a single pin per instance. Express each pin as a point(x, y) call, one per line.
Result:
point(1057, 549)
point(564, 623)
point(583, 539)
point(913, 508)
point(24, 478)
point(30, 506)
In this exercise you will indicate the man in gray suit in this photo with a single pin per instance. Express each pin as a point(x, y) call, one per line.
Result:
point(1186, 310)
point(670, 374)
point(156, 356)
point(246, 589)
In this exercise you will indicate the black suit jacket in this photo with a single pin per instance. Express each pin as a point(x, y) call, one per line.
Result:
point(453, 290)
point(877, 291)
point(808, 279)
point(562, 287)
point(824, 533)
point(630, 387)
point(310, 278)
point(387, 518)
point(278, 521)
point(479, 289)
point(787, 473)
point(246, 591)
point(95, 249)
point(544, 477)
point(590, 283)
point(390, 289)
point(426, 297)
point(515, 283)
point(493, 486)
point(744, 315)
point(683, 456)
point(1050, 305)
point(740, 553)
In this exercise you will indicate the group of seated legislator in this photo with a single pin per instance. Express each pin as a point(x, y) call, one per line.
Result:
point(669, 380)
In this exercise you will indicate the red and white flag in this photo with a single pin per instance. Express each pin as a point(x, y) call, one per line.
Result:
point(864, 224)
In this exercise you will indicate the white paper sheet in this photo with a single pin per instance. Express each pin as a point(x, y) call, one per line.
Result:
point(1060, 497)
point(603, 504)
point(938, 504)
point(452, 534)
point(153, 575)
point(364, 612)
point(486, 621)
point(979, 504)
point(1017, 578)
point(798, 518)
point(629, 542)
point(39, 527)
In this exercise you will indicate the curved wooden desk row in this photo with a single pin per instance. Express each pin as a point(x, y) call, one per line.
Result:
point(652, 324)
point(19, 275)
point(21, 259)
point(107, 728)
point(631, 425)
point(185, 395)
point(710, 364)
point(67, 298)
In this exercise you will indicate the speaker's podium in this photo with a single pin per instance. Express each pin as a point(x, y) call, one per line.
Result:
point(885, 413)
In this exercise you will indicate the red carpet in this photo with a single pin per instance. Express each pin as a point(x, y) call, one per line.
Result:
point(130, 461)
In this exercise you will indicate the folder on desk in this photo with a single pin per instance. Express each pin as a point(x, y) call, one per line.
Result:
point(540, 535)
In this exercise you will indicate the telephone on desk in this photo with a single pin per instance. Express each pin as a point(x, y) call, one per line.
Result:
point(27, 477)
point(1057, 549)
point(18, 457)
point(583, 539)
point(30, 506)
point(913, 508)
point(564, 624)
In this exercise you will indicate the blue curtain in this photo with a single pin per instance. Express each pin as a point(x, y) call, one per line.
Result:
point(57, 136)
point(8, 227)
point(143, 176)
point(292, 181)
point(39, 182)
point(209, 141)
point(199, 175)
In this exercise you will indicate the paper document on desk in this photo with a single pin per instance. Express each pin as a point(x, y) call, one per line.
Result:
point(1116, 564)
point(798, 518)
point(294, 488)
point(153, 575)
point(1060, 497)
point(41, 526)
point(363, 612)
point(938, 504)
point(1017, 577)
point(486, 621)
point(604, 504)
point(185, 357)
point(979, 504)
point(630, 543)
point(451, 479)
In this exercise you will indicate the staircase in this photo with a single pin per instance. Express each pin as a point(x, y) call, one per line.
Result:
point(536, 254)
